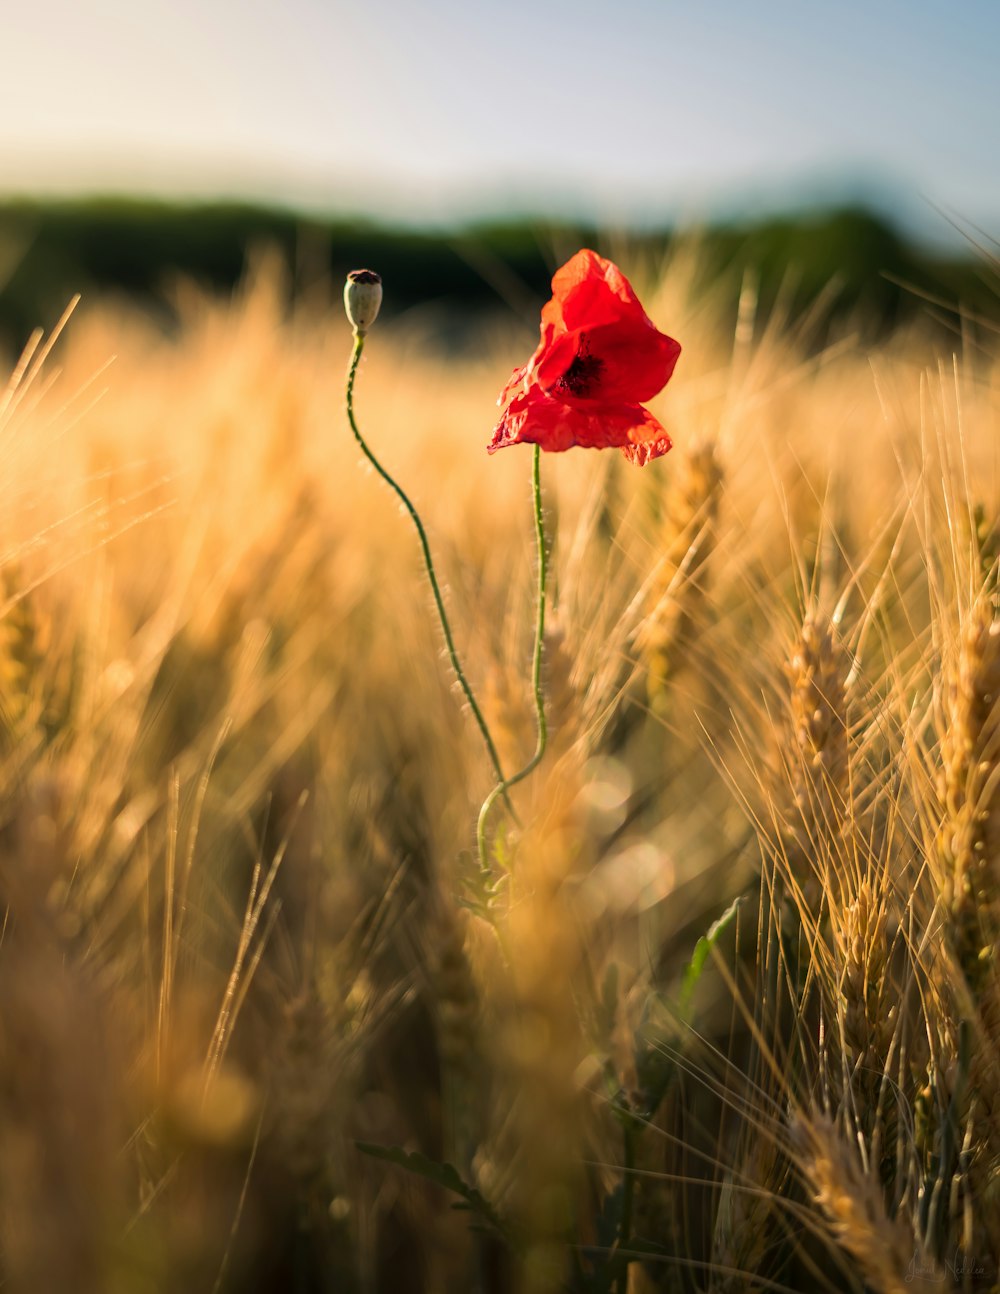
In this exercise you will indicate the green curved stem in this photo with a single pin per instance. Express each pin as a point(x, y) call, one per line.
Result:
point(359, 344)
point(536, 673)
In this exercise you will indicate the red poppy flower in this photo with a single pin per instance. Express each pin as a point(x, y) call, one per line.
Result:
point(599, 357)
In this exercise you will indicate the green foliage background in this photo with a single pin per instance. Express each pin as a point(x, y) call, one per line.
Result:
point(51, 250)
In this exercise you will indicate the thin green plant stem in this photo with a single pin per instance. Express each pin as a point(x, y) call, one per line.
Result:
point(628, 1199)
point(359, 345)
point(536, 671)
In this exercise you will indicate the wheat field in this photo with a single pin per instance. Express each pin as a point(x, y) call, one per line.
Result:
point(723, 1013)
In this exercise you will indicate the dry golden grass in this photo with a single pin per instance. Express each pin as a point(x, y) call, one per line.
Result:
point(243, 929)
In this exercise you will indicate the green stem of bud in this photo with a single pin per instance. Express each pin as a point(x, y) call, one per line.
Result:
point(359, 343)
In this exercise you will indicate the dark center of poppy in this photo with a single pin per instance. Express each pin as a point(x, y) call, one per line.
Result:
point(581, 377)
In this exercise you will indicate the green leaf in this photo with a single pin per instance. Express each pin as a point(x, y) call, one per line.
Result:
point(482, 890)
point(658, 1039)
point(443, 1175)
point(696, 965)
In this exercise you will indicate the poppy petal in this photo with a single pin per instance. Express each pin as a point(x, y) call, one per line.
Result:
point(515, 383)
point(645, 451)
point(589, 291)
point(627, 361)
point(556, 425)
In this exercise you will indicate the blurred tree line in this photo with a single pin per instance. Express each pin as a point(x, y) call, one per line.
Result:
point(51, 250)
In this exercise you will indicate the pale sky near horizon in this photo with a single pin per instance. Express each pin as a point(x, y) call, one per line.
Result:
point(436, 109)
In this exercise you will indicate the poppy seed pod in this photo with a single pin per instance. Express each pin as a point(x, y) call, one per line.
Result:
point(362, 298)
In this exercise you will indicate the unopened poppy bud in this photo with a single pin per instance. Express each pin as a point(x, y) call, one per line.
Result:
point(362, 298)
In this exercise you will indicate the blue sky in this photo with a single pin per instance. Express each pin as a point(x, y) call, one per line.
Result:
point(622, 107)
